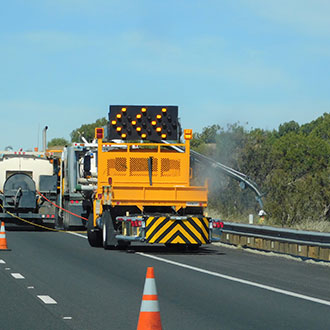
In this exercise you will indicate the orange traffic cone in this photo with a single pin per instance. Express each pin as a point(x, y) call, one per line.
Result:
point(149, 318)
point(3, 240)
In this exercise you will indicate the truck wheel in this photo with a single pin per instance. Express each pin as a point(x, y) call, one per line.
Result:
point(108, 231)
point(94, 235)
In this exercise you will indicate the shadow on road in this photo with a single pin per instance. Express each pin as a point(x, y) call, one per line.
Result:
point(10, 227)
point(23, 228)
point(159, 249)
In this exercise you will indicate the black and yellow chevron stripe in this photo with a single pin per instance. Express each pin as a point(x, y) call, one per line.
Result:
point(193, 230)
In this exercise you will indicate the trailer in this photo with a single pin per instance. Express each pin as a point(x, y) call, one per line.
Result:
point(144, 191)
point(24, 177)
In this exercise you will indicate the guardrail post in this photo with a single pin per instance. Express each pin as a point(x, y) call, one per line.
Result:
point(243, 240)
point(235, 239)
point(325, 254)
point(293, 249)
point(267, 244)
point(258, 243)
point(313, 252)
point(302, 250)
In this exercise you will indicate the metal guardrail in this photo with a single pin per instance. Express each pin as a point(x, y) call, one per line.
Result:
point(300, 243)
point(279, 234)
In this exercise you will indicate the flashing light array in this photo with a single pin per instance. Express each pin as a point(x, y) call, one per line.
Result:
point(153, 123)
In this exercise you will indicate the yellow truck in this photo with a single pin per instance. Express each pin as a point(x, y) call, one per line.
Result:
point(144, 191)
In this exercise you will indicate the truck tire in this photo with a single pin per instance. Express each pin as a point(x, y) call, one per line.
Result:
point(94, 235)
point(108, 231)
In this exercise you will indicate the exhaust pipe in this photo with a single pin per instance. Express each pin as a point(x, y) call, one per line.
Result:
point(44, 139)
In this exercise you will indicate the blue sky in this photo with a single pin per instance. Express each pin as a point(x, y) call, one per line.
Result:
point(63, 62)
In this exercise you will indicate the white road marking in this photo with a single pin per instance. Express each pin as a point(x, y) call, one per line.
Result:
point(30, 287)
point(17, 276)
point(231, 278)
point(7, 268)
point(235, 279)
point(47, 299)
point(67, 318)
point(2, 261)
point(76, 234)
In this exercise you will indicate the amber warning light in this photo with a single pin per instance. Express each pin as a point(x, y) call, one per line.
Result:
point(188, 134)
point(151, 123)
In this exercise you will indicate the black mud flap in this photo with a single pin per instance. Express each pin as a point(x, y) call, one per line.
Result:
point(109, 233)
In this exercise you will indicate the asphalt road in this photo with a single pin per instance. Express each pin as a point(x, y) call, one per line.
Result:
point(214, 288)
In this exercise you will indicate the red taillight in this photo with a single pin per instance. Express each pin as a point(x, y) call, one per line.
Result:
point(99, 196)
point(136, 223)
point(47, 216)
point(77, 202)
point(110, 181)
point(217, 224)
point(99, 133)
point(53, 216)
point(71, 202)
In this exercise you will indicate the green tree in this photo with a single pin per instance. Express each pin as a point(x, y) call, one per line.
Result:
point(319, 127)
point(225, 146)
point(288, 127)
point(87, 130)
point(298, 186)
point(255, 157)
point(208, 135)
point(57, 142)
point(230, 143)
point(291, 165)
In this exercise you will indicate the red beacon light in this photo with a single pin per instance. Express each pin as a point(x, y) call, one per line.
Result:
point(99, 133)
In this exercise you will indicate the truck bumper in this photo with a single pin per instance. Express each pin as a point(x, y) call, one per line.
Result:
point(177, 230)
point(189, 230)
point(31, 217)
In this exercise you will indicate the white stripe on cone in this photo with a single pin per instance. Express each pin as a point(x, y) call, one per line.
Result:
point(150, 306)
point(150, 286)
